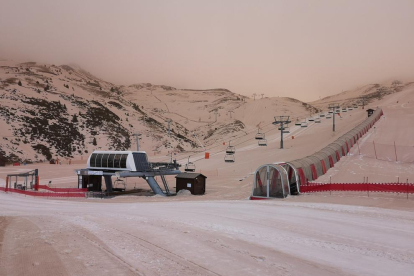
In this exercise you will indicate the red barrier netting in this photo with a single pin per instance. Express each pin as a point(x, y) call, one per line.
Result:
point(44, 194)
point(359, 187)
point(62, 190)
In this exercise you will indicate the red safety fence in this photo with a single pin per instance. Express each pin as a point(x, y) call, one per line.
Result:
point(359, 187)
point(62, 190)
point(44, 194)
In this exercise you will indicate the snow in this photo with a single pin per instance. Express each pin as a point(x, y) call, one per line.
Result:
point(220, 237)
point(183, 193)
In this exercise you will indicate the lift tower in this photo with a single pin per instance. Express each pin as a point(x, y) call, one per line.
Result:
point(333, 107)
point(280, 120)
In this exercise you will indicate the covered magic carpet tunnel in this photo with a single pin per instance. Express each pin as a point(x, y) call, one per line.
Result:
point(286, 178)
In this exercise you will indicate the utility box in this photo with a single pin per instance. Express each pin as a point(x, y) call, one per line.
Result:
point(194, 182)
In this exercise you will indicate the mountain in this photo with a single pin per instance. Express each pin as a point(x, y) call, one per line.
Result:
point(367, 94)
point(49, 111)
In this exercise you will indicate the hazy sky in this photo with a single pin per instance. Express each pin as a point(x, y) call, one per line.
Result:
point(302, 49)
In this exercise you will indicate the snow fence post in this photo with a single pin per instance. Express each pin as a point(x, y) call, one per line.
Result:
point(395, 149)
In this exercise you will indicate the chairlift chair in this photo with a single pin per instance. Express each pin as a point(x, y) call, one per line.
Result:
point(330, 111)
point(119, 185)
point(311, 119)
point(328, 116)
point(286, 130)
point(304, 124)
point(190, 166)
point(350, 108)
point(321, 115)
point(344, 110)
point(259, 135)
point(229, 158)
point(262, 142)
point(230, 149)
point(298, 123)
point(317, 120)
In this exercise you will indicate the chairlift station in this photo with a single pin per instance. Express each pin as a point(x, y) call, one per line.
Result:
point(124, 164)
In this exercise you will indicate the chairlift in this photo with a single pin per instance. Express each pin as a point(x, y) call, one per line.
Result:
point(344, 110)
point(322, 115)
point(304, 124)
point(119, 185)
point(230, 149)
point(298, 123)
point(229, 158)
point(259, 135)
point(337, 111)
point(317, 120)
point(262, 142)
point(330, 111)
point(350, 108)
point(190, 166)
point(286, 130)
point(311, 119)
point(328, 116)
point(280, 128)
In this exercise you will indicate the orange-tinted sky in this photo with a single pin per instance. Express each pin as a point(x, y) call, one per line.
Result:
point(302, 49)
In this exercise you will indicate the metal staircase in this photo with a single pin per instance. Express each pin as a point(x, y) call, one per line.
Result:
point(164, 181)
